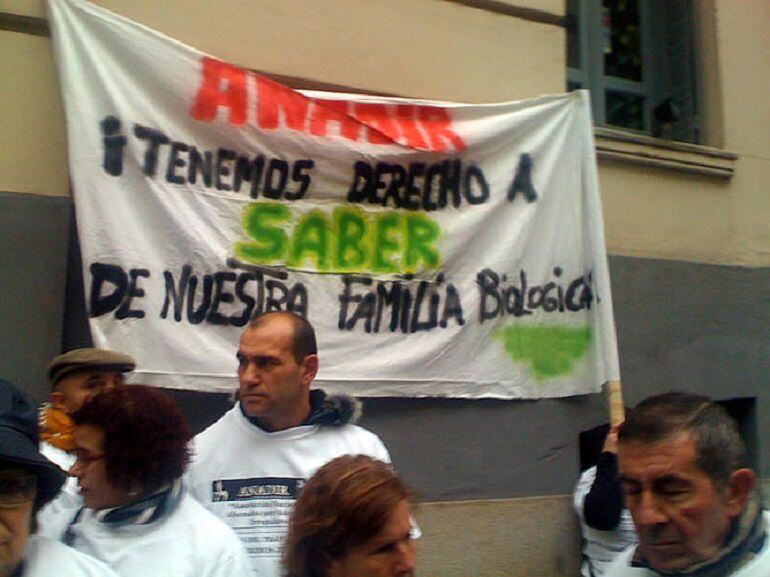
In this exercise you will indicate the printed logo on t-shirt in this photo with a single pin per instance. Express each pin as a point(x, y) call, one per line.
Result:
point(256, 488)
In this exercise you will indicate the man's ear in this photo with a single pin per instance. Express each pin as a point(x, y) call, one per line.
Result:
point(58, 400)
point(310, 363)
point(739, 488)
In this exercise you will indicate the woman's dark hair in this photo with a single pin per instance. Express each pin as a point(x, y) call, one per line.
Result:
point(145, 435)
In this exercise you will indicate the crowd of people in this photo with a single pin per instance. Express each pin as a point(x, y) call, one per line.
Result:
point(286, 484)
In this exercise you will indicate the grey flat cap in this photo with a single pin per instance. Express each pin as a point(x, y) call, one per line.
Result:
point(89, 359)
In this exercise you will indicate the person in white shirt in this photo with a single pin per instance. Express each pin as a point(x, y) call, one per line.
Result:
point(131, 448)
point(249, 466)
point(605, 523)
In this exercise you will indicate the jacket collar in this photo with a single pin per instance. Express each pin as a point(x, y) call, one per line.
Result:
point(328, 410)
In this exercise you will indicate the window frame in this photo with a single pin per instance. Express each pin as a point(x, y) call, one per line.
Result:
point(586, 23)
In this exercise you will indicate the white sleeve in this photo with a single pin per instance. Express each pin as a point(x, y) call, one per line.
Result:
point(193, 478)
point(45, 558)
point(379, 451)
point(620, 566)
point(584, 483)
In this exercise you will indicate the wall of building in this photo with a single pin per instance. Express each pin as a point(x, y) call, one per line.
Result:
point(686, 227)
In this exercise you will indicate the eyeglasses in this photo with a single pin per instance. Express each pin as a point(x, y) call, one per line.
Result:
point(84, 458)
point(16, 488)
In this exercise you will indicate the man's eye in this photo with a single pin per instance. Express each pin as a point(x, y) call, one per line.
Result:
point(674, 491)
point(387, 548)
point(259, 362)
point(631, 489)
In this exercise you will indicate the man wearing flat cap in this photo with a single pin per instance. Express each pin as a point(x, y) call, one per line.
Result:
point(75, 377)
point(27, 482)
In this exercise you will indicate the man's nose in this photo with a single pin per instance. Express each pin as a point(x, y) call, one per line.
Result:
point(75, 470)
point(649, 511)
point(406, 558)
point(250, 372)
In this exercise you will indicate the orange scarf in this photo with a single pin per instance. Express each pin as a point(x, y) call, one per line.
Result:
point(56, 428)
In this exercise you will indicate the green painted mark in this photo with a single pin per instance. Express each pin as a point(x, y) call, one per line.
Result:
point(386, 242)
point(551, 351)
point(343, 241)
point(352, 240)
point(311, 241)
point(262, 222)
point(422, 234)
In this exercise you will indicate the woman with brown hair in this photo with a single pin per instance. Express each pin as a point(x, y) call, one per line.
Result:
point(352, 519)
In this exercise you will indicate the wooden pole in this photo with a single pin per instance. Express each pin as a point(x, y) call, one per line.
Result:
point(615, 399)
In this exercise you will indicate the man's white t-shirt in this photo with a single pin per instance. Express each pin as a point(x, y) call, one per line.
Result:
point(250, 478)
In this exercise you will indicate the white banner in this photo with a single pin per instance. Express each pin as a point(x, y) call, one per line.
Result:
point(439, 249)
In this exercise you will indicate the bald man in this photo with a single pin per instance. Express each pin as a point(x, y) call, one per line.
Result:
point(249, 465)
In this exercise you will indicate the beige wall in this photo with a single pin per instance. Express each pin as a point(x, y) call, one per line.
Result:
point(744, 41)
point(428, 48)
point(673, 215)
point(33, 153)
point(534, 537)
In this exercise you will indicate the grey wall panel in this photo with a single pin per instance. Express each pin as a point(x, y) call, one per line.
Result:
point(460, 449)
point(33, 265)
point(695, 327)
point(692, 326)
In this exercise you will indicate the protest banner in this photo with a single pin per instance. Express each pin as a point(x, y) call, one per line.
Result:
point(439, 249)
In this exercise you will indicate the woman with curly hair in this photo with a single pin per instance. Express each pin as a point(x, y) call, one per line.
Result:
point(131, 445)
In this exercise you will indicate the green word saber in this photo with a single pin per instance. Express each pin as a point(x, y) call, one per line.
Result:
point(343, 240)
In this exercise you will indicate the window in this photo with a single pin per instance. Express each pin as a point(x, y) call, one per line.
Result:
point(635, 56)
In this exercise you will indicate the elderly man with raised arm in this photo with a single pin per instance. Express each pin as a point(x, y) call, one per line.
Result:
point(691, 494)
